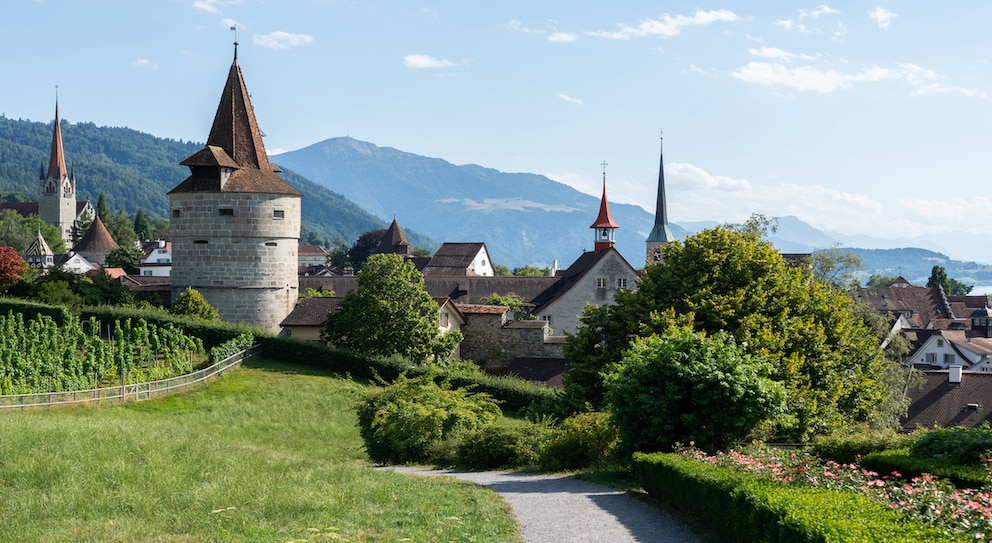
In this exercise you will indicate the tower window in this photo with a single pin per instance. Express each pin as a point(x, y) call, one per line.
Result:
point(226, 212)
point(270, 244)
point(176, 213)
point(278, 214)
point(200, 241)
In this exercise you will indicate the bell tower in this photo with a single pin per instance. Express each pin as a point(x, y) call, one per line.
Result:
point(661, 234)
point(604, 227)
point(57, 188)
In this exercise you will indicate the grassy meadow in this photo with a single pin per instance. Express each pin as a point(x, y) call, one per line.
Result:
point(268, 453)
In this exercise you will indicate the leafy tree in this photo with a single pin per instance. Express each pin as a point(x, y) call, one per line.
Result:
point(422, 252)
point(314, 293)
point(500, 270)
point(121, 228)
point(142, 227)
point(531, 271)
point(512, 300)
point(878, 280)
point(191, 303)
point(952, 287)
point(731, 279)
point(12, 266)
point(363, 246)
point(836, 266)
point(390, 313)
point(58, 292)
point(81, 225)
point(125, 256)
point(102, 209)
point(684, 386)
point(18, 232)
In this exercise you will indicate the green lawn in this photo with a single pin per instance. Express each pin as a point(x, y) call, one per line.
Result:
point(268, 453)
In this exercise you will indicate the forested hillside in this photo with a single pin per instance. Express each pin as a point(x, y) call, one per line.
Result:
point(134, 170)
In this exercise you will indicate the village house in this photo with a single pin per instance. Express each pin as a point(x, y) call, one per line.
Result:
point(157, 259)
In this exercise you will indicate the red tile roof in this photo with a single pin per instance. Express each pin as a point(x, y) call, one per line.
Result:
point(96, 240)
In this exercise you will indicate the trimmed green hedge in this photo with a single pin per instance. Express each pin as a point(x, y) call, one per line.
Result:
point(31, 309)
point(746, 507)
point(903, 461)
point(212, 333)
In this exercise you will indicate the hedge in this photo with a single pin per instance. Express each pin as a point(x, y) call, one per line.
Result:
point(31, 309)
point(747, 507)
point(903, 461)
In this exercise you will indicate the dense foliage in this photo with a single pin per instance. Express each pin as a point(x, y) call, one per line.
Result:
point(191, 303)
point(401, 421)
point(731, 279)
point(12, 266)
point(955, 445)
point(39, 355)
point(684, 386)
point(390, 313)
point(951, 286)
point(18, 232)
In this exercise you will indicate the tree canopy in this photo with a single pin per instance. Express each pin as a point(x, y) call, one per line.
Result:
point(191, 303)
point(731, 279)
point(12, 266)
point(951, 286)
point(684, 386)
point(127, 257)
point(390, 313)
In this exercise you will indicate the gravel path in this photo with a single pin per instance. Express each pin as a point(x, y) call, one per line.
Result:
point(556, 508)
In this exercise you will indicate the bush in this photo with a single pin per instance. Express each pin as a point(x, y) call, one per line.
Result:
point(956, 445)
point(902, 461)
point(400, 422)
point(495, 446)
point(31, 309)
point(846, 447)
point(231, 348)
point(747, 507)
point(581, 441)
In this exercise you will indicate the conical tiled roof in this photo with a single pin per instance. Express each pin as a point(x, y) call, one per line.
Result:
point(604, 220)
point(394, 240)
point(234, 144)
point(96, 240)
point(56, 161)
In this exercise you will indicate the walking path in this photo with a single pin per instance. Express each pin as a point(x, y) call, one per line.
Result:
point(555, 508)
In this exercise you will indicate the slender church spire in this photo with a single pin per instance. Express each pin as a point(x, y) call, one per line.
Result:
point(605, 227)
point(56, 161)
point(661, 234)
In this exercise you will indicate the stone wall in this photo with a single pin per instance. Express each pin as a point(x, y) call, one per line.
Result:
point(493, 343)
point(239, 250)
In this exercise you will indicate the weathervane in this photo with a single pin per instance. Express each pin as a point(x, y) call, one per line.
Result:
point(604, 164)
point(234, 28)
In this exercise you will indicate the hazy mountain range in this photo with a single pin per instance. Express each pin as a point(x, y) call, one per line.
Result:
point(350, 186)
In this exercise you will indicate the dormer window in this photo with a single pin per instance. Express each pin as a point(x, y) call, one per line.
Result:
point(224, 174)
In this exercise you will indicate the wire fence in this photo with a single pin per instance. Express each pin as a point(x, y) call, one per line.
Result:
point(130, 392)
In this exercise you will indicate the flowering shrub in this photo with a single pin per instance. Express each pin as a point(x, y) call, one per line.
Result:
point(926, 498)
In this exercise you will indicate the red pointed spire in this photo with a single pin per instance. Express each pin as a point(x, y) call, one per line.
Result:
point(56, 162)
point(604, 227)
point(604, 220)
point(235, 129)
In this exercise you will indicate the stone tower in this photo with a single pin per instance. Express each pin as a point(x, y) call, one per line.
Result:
point(57, 188)
point(661, 234)
point(235, 224)
point(604, 227)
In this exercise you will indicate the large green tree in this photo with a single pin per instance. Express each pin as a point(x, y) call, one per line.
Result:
point(951, 286)
point(684, 386)
point(191, 303)
point(127, 257)
point(389, 313)
point(731, 279)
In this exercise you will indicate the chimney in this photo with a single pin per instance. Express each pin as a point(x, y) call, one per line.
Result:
point(954, 374)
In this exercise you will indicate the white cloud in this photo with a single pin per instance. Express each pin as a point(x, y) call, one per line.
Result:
point(513, 204)
point(426, 61)
point(699, 178)
point(805, 78)
point(563, 37)
point(213, 6)
point(668, 26)
point(771, 52)
point(281, 40)
point(518, 26)
point(882, 16)
point(144, 63)
point(569, 99)
point(817, 13)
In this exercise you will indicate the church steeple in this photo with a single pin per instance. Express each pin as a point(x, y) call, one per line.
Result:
point(56, 161)
point(604, 227)
point(661, 234)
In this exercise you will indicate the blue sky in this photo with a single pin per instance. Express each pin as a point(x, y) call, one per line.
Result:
point(857, 117)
